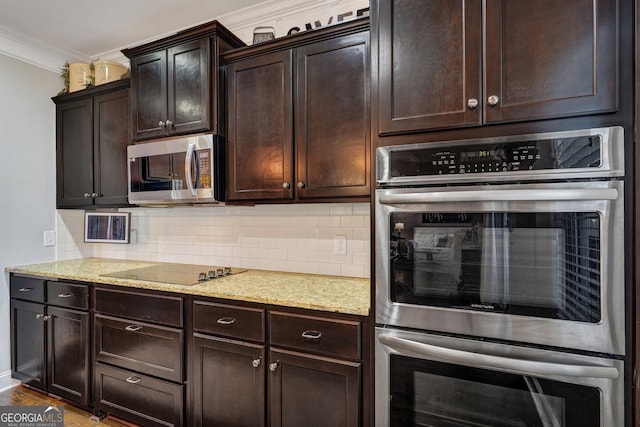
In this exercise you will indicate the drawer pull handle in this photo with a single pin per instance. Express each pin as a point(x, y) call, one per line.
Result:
point(312, 335)
point(256, 362)
point(226, 321)
point(273, 366)
point(133, 328)
point(25, 289)
point(134, 380)
point(65, 295)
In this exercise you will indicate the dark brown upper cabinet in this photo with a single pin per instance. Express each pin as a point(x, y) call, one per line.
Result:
point(174, 82)
point(436, 68)
point(92, 134)
point(317, 83)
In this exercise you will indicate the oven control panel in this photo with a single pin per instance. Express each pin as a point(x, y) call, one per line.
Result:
point(503, 157)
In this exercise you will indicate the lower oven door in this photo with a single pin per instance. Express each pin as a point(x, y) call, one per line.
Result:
point(431, 380)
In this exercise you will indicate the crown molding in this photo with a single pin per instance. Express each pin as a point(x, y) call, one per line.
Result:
point(241, 22)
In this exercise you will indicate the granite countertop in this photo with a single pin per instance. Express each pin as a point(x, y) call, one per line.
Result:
point(348, 295)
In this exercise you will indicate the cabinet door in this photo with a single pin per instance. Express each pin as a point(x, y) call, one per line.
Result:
point(28, 362)
point(550, 58)
point(189, 87)
point(313, 391)
point(149, 95)
point(68, 354)
point(229, 382)
point(429, 59)
point(111, 135)
point(260, 134)
point(332, 118)
point(74, 140)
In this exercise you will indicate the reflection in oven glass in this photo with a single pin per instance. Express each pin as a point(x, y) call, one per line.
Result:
point(542, 264)
point(426, 393)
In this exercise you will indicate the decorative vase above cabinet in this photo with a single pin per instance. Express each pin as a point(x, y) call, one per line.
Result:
point(174, 82)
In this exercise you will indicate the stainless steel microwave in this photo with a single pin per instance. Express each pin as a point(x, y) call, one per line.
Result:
point(182, 170)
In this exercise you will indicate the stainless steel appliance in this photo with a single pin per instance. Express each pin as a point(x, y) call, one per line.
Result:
point(184, 170)
point(179, 274)
point(515, 247)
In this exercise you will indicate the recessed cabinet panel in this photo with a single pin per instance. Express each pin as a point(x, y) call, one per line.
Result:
point(149, 100)
point(28, 351)
point(332, 118)
point(260, 141)
point(550, 58)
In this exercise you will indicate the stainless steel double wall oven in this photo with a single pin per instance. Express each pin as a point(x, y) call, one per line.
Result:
point(500, 282)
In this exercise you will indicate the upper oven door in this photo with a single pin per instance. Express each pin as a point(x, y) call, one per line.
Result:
point(538, 263)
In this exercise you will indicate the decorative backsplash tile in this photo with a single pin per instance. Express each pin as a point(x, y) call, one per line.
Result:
point(288, 237)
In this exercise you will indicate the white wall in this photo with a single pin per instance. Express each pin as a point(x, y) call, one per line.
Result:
point(27, 177)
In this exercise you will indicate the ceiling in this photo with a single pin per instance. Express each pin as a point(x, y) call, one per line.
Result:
point(89, 29)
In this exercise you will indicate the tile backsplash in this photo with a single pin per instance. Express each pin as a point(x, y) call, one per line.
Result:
point(288, 237)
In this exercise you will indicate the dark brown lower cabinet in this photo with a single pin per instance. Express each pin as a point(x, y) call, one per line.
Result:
point(142, 399)
point(229, 382)
point(307, 390)
point(50, 344)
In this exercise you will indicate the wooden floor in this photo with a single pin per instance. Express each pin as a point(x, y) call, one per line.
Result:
point(73, 417)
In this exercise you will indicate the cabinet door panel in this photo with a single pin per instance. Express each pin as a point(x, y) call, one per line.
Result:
point(332, 118)
point(429, 64)
point(68, 354)
point(74, 138)
point(28, 362)
point(229, 388)
point(149, 96)
point(260, 137)
point(189, 97)
point(313, 391)
point(550, 58)
point(112, 133)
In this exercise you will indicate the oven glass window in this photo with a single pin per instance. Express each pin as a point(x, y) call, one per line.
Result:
point(535, 264)
point(427, 393)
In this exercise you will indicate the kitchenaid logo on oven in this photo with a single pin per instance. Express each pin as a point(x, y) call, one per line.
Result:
point(31, 416)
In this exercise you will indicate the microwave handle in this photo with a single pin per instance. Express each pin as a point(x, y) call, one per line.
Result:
point(569, 194)
point(187, 167)
point(486, 361)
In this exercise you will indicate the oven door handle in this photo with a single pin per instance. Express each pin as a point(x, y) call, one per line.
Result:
point(568, 194)
point(523, 367)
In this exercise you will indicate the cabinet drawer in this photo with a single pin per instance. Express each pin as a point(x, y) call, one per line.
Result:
point(315, 334)
point(165, 310)
point(142, 347)
point(138, 398)
point(65, 294)
point(27, 288)
point(228, 320)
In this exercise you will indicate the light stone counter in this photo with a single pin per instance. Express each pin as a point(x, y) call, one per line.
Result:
point(346, 295)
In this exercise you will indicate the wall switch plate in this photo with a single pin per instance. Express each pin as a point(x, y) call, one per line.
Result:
point(49, 238)
point(340, 245)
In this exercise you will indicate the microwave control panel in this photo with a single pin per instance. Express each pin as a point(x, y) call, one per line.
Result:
point(203, 158)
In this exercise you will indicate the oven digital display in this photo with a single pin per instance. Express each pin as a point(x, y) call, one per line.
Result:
point(481, 155)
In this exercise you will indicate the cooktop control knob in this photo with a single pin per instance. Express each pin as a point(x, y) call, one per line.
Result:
point(211, 274)
point(202, 277)
point(227, 271)
point(220, 272)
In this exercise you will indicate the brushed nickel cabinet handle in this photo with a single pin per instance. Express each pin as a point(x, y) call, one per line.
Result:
point(312, 335)
point(133, 328)
point(25, 289)
point(45, 318)
point(301, 184)
point(168, 124)
point(472, 103)
point(286, 185)
point(273, 366)
point(39, 316)
point(134, 380)
point(226, 321)
point(493, 100)
point(162, 124)
point(256, 362)
point(65, 295)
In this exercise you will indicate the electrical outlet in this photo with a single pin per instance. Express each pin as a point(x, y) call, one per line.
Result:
point(340, 245)
point(49, 238)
